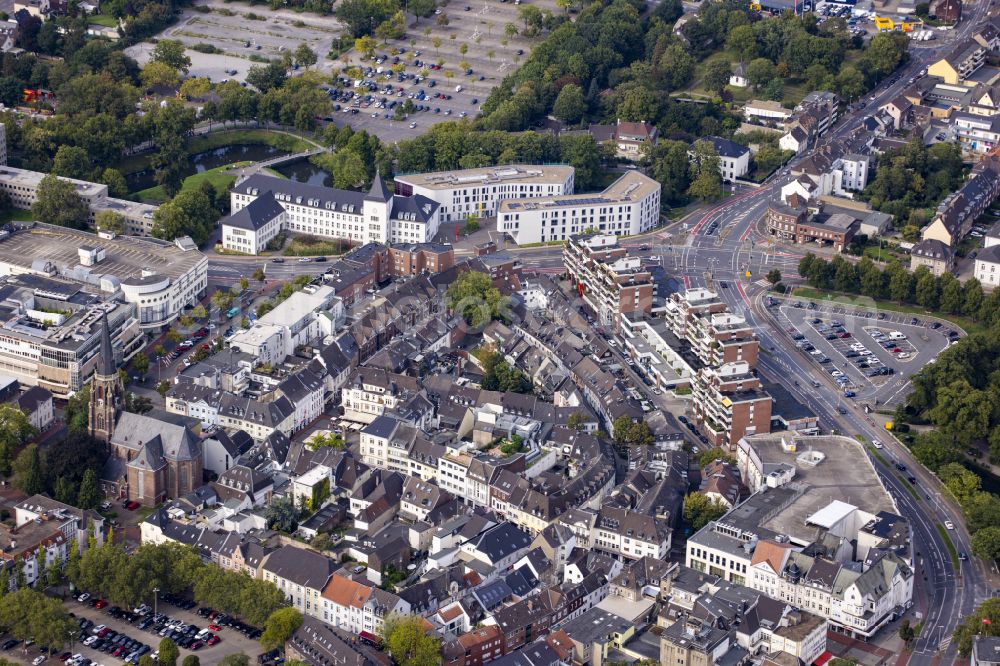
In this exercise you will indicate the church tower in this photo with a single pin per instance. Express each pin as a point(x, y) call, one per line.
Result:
point(377, 211)
point(106, 391)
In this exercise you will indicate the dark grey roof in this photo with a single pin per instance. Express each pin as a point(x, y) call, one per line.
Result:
point(726, 148)
point(106, 364)
point(255, 214)
point(500, 541)
point(989, 254)
point(301, 193)
point(378, 191)
point(491, 595)
point(30, 400)
point(420, 207)
point(931, 248)
point(301, 566)
point(382, 427)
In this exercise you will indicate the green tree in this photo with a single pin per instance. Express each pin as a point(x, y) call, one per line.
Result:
point(58, 203)
point(267, 77)
point(638, 105)
point(282, 515)
point(906, 632)
point(760, 72)
point(716, 76)
point(575, 421)
point(195, 87)
point(192, 660)
point(304, 56)
point(235, 660)
point(706, 181)
point(28, 474)
point(986, 543)
point(711, 455)
point(279, 627)
point(670, 165)
point(743, 41)
point(90, 491)
point(169, 653)
point(140, 363)
point(110, 221)
point(774, 276)
point(408, 641)
point(171, 52)
point(984, 621)
point(15, 430)
point(474, 297)
point(570, 104)
point(700, 510)
point(72, 162)
point(159, 74)
point(187, 214)
point(627, 432)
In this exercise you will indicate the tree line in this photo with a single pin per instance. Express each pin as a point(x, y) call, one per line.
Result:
point(128, 579)
point(944, 293)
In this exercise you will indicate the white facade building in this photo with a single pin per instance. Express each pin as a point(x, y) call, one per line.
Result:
point(303, 318)
point(479, 192)
point(630, 205)
point(988, 266)
point(262, 206)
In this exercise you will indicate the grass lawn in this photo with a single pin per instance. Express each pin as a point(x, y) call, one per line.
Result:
point(965, 323)
point(311, 246)
point(947, 542)
point(104, 19)
point(16, 215)
point(220, 180)
point(235, 137)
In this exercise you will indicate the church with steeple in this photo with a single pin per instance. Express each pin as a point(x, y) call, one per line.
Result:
point(107, 393)
point(154, 456)
point(263, 206)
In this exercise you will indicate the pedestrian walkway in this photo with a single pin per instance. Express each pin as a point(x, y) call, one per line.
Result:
point(864, 653)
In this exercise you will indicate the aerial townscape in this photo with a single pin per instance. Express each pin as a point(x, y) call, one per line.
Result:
point(520, 333)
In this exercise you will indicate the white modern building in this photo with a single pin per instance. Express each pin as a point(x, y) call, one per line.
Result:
point(303, 318)
point(479, 192)
point(630, 205)
point(262, 206)
point(158, 277)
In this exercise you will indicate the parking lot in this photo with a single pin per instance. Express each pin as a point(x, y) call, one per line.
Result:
point(869, 354)
point(231, 642)
point(228, 28)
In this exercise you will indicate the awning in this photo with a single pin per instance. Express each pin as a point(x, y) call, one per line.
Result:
point(823, 658)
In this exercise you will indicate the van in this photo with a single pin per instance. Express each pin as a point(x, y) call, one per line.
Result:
point(458, 88)
point(896, 335)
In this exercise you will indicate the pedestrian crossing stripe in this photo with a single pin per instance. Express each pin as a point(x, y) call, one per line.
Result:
point(945, 642)
point(762, 283)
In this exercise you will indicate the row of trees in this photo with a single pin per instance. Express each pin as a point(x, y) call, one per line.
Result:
point(129, 579)
point(944, 293)
point(911, 180)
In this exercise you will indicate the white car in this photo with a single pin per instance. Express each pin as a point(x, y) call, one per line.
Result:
point(38, 660)
point(877, 444)
point(413, 125)
point(90, 640)
point(83, 597)
point(950, 525)
point(98, 629)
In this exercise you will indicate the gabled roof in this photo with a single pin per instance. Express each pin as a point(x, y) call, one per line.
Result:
point(771, 553)
point(255, 214)
point(378, 191)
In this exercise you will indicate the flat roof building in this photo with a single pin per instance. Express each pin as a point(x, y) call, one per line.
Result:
point(630, 205)
point(478, 192)
point(158, 277)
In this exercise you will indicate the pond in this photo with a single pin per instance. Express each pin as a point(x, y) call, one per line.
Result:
point(210, 159)
point(304, 171)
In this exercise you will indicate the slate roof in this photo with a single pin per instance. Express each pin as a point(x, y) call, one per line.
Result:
point(727, 148)
point(255, 214)
point(502, 540)
point(301, 566)
point(175, 440)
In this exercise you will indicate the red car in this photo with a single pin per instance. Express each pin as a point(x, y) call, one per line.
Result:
point(132, 505)
point(213, 640)
point(100, 603)
point(214, 627)
point(845, 335)
point(196, 645)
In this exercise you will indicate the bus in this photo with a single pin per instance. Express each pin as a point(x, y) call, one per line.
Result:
point(232, 312)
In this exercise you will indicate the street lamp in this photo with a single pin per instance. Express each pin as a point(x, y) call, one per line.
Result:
point(156, 596)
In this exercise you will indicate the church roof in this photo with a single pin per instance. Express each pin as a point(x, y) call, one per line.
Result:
point(175, 441)
point(106, 362)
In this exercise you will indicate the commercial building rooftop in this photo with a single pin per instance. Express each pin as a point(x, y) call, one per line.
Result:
point(51, 250)
point(632, 186)
point(446, 180)
point(832, 468)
